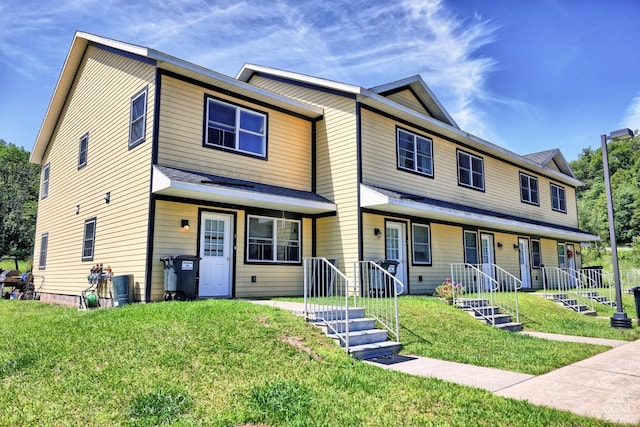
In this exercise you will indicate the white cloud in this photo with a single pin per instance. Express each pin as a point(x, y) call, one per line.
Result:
point(632, 115)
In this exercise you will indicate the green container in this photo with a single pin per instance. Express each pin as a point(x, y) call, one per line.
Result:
point(122, 289)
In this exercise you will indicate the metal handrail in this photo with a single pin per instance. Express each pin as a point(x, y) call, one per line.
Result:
point(327, 294)
point(378, 294)
point(490, 282)
point(567, 282)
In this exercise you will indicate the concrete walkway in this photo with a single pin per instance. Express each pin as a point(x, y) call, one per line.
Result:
point(605, 386)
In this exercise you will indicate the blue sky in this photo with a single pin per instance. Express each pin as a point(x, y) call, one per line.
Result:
point(526, 75)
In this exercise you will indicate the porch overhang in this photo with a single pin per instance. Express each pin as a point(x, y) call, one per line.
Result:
point(194, 185)
point(385, 200)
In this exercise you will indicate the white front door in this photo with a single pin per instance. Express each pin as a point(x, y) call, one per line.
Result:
point(525, 265)
point(488, 260)
point(216, 256)
point(395, 247)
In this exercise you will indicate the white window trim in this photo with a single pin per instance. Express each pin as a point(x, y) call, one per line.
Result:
point(143, 93)
point(555, 191)
point(84, 140)
point(415, 137)
point(274, 240)
point(238, 130)
point(564, 255)
point(470, 171)
point(85, 239)
point(530, 192)
point(427, 243)
point(46, 178)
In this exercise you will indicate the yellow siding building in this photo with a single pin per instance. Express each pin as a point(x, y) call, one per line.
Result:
point(146, 156)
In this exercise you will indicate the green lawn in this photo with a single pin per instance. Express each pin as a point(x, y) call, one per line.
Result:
point(432, 328)
point(541, 315)
point(220, 363)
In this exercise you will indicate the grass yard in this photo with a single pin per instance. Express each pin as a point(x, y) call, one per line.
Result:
point(432, 328)
point(541, 315)
point(221, 363)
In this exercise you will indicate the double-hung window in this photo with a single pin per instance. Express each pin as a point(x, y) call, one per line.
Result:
point(44, 242)
point(470, 171)
point(44, 191)
point(536, 255)
point(421, 244)
point(415, 153)
point(89, 239)
point(561, 255)
point(471, 247)
point(529, 189)
point(235, 128)
point(138, 118)
point(83, 151)
point(558, 201)
point(273, 240)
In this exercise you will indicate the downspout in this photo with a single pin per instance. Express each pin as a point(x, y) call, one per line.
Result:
point(152, 201)
point(359, 178)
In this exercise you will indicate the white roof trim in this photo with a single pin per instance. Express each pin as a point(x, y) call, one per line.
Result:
point(164, 185)
point(370, 198)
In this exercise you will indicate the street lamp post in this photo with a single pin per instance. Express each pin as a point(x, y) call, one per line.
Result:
point(619, 319)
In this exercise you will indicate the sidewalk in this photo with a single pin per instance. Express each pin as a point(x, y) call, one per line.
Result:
point(605, 386)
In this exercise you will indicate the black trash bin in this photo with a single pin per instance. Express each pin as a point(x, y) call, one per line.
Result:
point(381, 284)
point(636, 296)
point(122, 289)
point(180, 277)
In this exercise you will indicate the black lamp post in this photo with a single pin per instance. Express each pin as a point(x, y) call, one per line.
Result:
point(619, 319)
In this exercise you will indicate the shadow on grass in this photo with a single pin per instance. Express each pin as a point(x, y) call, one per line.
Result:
point(417, 339)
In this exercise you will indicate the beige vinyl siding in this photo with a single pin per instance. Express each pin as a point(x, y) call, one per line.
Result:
point(170, 239)
point(99, 103)
point(407, 98)
point(549, 249)
point(502, 183)
point(336, 157)
point(181, 138)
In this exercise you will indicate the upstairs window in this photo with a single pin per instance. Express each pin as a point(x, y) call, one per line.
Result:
point(421, 244)
point(470, 171)
point(558, 201)
point(138, 118)
point(83, 151)
point(235, 128)
point(273, 240)
point(89, 239)
point(529, 189)
point(415, 153)
point(44, 190)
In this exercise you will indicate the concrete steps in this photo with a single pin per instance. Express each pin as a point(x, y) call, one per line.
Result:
point(365, 340)
point(571, 303)
point(481, 310)
point(598, 298)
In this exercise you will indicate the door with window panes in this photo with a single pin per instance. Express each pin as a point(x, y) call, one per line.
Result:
point(395, 238)
point(215, 255)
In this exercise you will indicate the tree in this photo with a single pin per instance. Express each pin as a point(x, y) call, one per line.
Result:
point(624, 166)
point(19, 181)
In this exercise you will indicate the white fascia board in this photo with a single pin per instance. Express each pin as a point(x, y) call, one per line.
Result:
point(164, 185)
point(370, 198)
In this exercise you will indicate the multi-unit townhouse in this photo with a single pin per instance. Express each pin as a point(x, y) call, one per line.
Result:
point(272, 167)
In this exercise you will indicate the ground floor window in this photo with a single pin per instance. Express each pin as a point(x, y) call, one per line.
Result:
point(89, 239)
point(273, 239)
point(421, 244)
point(536, 256)
point(471, 247)
point(44, 242)
point(561, 255)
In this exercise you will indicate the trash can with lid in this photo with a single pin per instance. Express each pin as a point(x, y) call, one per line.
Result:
point(180, 277)
point(636, 297)
point(381, 285)
point(122, 286)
